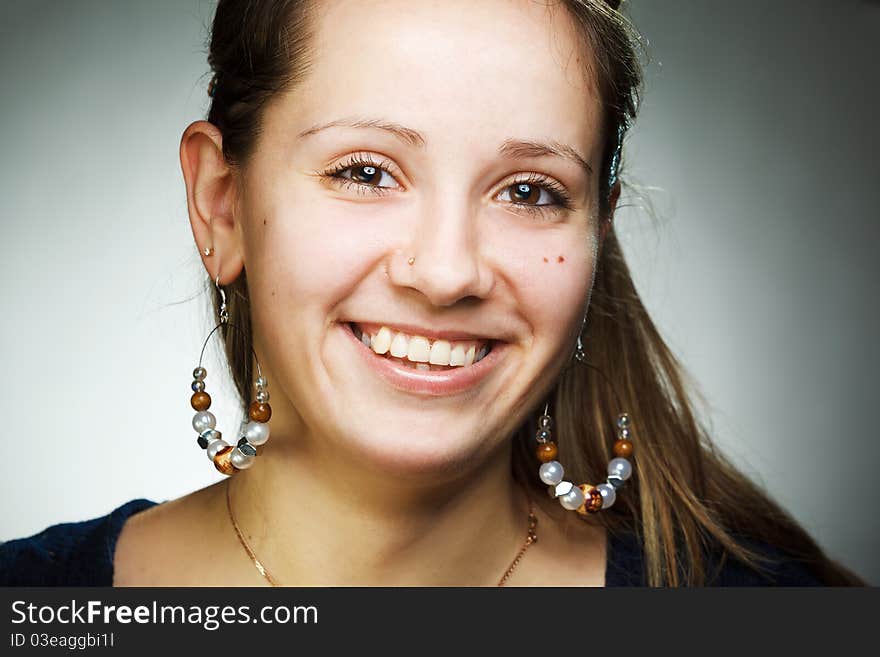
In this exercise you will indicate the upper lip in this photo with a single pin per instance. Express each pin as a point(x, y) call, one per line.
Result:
point(430, 333)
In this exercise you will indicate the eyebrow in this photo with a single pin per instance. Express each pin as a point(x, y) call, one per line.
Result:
point(509, 148)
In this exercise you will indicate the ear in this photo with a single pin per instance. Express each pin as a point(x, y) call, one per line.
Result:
point(210, 198)
point(613, 197)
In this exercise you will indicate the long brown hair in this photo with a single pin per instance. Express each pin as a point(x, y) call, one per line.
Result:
point(684, 498)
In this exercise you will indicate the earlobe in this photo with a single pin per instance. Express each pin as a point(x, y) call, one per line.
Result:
point(210, 195)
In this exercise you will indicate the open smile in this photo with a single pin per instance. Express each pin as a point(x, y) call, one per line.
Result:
point(419, 366)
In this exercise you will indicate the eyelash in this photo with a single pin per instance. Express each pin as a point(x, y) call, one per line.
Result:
point(562, 201)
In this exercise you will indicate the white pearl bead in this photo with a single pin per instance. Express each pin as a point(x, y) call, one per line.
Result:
point(204, 420)
point(256, 432)
point(562, 488)
point(241, 461)
point(215, 446)
point(620, 467)
point(608, 494)
point(572, 499)
point(551, 473)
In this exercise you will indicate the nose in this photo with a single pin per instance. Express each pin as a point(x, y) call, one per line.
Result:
point(444, 259)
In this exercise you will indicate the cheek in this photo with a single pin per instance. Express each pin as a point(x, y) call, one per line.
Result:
point(551, 271)
point(306, 258)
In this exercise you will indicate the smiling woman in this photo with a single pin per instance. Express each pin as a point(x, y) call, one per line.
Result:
point(406, 212)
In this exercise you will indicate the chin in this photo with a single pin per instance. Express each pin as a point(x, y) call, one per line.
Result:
point(416, 451)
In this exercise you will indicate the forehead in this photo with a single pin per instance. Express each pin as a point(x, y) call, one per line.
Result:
point(472, 72)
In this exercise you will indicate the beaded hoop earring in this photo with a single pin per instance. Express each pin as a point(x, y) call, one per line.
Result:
point(226, 458)
point(584, 498)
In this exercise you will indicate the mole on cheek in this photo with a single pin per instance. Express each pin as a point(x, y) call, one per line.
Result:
point(560, 259)
point(545, 259)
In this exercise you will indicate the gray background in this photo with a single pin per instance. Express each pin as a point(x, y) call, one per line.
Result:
point(757, 138)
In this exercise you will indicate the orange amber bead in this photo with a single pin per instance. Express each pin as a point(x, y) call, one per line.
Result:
point(592, 500)
point(223, 461)
point(546, 452)
point(623, 448)
point(260, 412)
point(201, 401)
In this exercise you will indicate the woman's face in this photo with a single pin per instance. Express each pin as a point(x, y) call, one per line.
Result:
point(419, 133)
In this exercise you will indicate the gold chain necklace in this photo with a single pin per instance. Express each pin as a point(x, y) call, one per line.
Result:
point(531, 538)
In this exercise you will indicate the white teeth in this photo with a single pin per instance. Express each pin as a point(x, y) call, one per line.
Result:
point(399, 346)
point(456, 357)
point(440, 352)
point(423, 366)
point(419, 350)
point(382, 341)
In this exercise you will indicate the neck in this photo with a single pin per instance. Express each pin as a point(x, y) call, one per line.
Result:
point(314, 519)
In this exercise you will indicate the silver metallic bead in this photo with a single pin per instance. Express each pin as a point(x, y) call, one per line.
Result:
point(198, 386)
point(624, 434)
point(256, 433)
point(241, 460)
point(246, 448)
point(545, 422)
point(563, 488)
point(262, 396)
point(261, 382)
point(623, 420)
point(620, 467)
point(615, 481)
point(572, 499)
point(199, 373)
point(211, 434)
point(204, 420)
point(214, 447)
point(543, 436)
point(551, 473)
point(608, 494)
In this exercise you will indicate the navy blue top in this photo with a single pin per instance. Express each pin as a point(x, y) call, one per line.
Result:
point(81, 554)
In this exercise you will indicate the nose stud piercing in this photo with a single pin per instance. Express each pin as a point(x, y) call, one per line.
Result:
point(411, 262)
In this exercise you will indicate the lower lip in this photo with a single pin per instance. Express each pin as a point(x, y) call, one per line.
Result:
point(420, 382)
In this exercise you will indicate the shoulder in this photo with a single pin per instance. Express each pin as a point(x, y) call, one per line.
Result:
point(67, 554)
point(626, 565)
point(164, 545)
point(774, 568)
